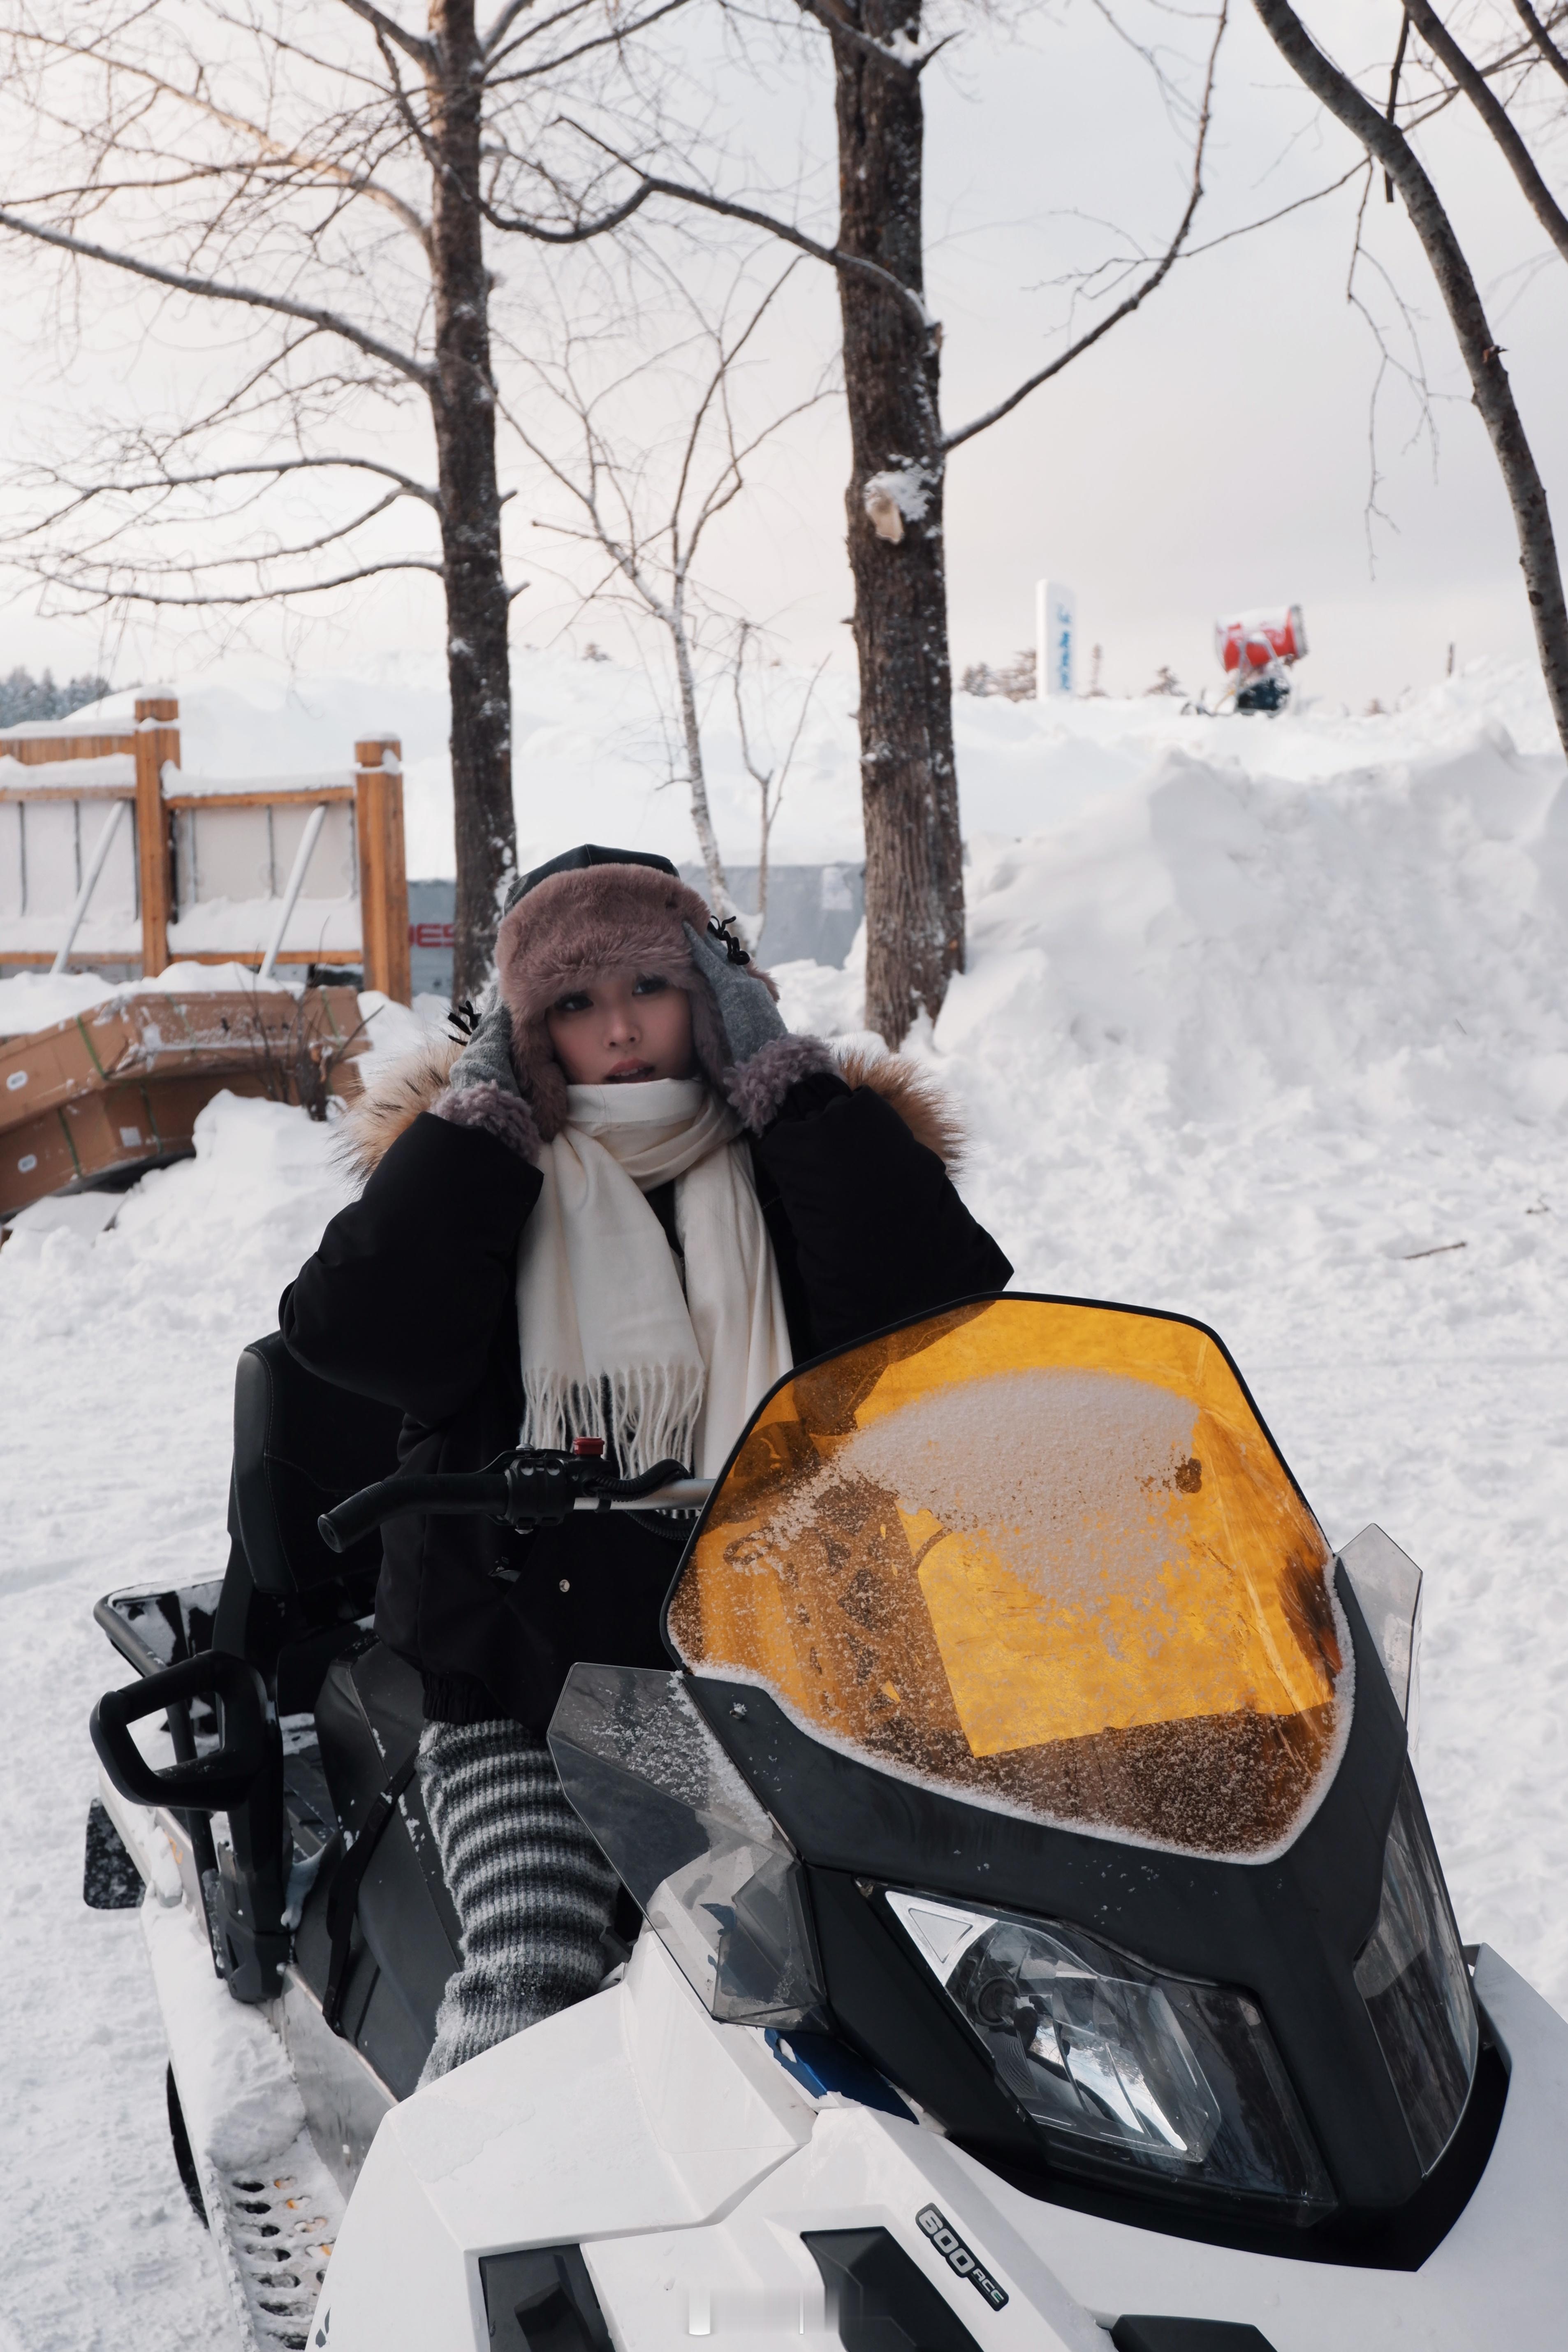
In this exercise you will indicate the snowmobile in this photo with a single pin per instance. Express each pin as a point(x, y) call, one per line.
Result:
point(1032, 1935)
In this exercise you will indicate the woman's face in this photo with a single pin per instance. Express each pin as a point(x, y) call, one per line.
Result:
point(622, 1030)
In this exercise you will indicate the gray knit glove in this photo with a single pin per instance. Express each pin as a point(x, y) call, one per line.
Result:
point(486, 1059)
point(746, 1009)
point(482, 1089)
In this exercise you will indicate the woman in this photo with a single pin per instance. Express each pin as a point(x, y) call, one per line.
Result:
point(623, 1210)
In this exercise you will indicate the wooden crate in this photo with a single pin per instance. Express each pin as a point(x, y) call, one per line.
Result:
point(121, 1087)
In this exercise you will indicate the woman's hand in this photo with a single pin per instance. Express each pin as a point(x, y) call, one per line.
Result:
point(747, 1013)
point(482, 1089)
point(486, 1059)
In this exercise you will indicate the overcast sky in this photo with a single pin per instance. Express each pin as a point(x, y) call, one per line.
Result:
point(1212, 452)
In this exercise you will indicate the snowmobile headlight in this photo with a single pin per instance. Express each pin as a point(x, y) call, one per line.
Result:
point(716, 1879)
point(1115, 2061)
point(1413, 1978)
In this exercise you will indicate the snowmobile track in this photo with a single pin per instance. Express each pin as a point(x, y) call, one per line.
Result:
point(274, 2226)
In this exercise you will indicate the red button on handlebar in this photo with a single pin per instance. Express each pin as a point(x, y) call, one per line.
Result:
point(591, 1446)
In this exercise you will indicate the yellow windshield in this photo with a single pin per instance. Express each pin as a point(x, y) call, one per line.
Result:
point(1036, 1552)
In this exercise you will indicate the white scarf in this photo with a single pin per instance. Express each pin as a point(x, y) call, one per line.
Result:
point(611, 1347)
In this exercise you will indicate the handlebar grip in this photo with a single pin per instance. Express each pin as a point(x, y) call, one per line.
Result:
point(478, 1491)
point(533, 1490)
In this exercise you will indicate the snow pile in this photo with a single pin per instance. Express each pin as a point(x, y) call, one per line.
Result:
point(1387, 942)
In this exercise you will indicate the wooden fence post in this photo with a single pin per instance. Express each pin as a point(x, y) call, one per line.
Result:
point(383, 876)
point(157, 741)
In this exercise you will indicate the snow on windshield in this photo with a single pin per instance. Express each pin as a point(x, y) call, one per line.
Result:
point(1060, 1469)
point(1073, 1592)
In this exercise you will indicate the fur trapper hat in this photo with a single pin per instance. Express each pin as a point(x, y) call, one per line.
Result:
point(573, 925)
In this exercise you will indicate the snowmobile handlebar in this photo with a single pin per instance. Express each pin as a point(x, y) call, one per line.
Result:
point(530, 1490)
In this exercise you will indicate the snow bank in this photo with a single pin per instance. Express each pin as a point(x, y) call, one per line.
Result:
point(1382, 943)
point(1389, 940)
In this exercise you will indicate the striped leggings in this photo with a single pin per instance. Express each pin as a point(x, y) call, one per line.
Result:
point(533, 1893)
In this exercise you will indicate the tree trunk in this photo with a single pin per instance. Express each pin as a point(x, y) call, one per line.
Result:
point(1490, 389)
point(718, 896)
point(909, 785)
point(463, 400)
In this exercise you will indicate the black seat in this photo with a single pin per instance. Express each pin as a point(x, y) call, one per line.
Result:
point(300, 1445)
point(296, 1610)
point(289, 1604)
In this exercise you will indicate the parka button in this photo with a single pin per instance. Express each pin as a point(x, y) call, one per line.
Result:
point(565, 1584)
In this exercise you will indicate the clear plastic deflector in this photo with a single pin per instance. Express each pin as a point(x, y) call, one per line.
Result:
point(1388, 1586)
point(716, 1881)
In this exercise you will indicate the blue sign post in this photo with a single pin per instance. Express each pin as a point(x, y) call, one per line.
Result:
point(1056, 638)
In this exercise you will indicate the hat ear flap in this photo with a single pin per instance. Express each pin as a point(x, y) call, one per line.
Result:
point(708, 1044)
point(542, 1079)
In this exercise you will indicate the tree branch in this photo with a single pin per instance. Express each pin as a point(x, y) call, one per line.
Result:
point(190, 565)
point(729, 209)
point(276, 150)
point(613, 38)
point(516, 225)
point(1267, 220)
point(1517, 155)
point(1140, 294)
point(489, 42)
point(1542, 39)
point(1391, 109)
point(117, 596)
point(1387, 145)
point(84, 495)
point(423, 52)
point(404, 482)
point(215, 289)
point(839, 29)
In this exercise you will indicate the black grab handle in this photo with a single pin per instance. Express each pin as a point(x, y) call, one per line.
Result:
point(217, 1783)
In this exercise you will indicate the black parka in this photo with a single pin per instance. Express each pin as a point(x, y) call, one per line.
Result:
point(411, 1299)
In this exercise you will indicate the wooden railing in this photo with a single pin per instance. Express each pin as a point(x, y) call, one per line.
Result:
point(163, 860)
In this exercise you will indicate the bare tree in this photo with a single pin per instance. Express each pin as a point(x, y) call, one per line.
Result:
point(1502, 83)
point(769, 782)
point(321, 176)
point(899, 451)
point(644, 499)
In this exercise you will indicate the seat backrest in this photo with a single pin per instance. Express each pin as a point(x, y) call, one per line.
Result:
point(299, 1446)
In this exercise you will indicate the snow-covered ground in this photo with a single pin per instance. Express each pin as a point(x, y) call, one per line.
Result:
point(1266, 1023)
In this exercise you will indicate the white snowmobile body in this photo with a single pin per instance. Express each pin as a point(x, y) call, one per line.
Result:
point(1044, 1941)
point(691, 2168)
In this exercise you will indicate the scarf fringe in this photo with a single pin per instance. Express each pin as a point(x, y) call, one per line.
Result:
point(645, 1414)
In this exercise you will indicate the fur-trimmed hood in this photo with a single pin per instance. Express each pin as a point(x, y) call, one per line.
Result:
point(393, 1098)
